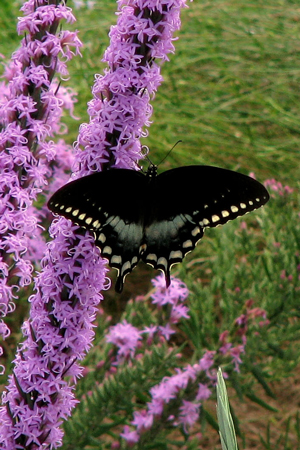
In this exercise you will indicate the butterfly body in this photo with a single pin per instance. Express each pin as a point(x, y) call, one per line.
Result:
point(155, 218)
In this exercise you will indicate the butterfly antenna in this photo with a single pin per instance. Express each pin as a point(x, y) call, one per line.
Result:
point(169, 152)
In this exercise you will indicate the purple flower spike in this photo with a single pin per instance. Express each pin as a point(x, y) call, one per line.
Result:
point(30, 111)
point(120, 108)
point(59, 331)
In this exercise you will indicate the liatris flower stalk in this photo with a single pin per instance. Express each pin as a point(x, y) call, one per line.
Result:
point(30, 111)
point(178, 398)
point(120, 107)
point(59, 331)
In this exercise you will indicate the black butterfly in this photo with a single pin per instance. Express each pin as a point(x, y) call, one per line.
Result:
point(155, 218)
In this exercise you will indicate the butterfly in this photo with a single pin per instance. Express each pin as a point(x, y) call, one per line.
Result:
point(155, 218)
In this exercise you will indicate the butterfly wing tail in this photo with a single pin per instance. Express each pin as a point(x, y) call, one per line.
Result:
point(119, 284)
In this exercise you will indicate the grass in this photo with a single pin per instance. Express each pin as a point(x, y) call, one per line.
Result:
point(231, 93)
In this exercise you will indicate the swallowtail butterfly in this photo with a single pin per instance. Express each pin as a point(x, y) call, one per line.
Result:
point(155, 218)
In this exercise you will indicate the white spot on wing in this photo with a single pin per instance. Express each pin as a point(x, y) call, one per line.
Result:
point(102, 238)
point(82, 216)
point(175, 254)
point(75, 212)
point(126, 267)
point(187, 244)
point(215, 218)
point(107, 250)
point(206, 222)
point(152, 257)
point(69, 209)
point(225, 213)
point(195, 231)
point(134, 260)
point(234, 209)
point(163, 262)
point(116, 259)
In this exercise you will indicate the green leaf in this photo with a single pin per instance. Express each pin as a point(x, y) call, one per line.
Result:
point(227, 432)
point(261, 402)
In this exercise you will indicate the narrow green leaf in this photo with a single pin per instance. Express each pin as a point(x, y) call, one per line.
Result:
point(261, 402)
point(226, 430)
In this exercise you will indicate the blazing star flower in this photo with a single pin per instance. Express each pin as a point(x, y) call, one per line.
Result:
point(166, 331)
point(203, 392)
point(126, 338)
point(175, 294)
point(277, 188)
point(173, 388)
point(131, 437)
point(142, 420)
point(150, 331)
point(30, 110)
point(170, 388)
point(60, 328)
point(120, 107)
point(162, 394)
point(207, 361)
point(189, 414)
point(235, 352)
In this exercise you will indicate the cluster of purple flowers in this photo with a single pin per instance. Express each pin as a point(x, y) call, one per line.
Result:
point(120, 106)
point(191, 382)
point(127, 338)
point(277, 188)
point(31, 107)
point(59, 331)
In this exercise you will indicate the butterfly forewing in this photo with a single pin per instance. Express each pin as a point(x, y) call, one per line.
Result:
point(210, 195)
point(158, 219)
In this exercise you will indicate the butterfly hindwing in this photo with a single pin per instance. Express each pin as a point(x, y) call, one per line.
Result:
point(169, 240)
point(95, 202)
